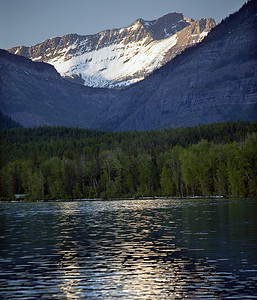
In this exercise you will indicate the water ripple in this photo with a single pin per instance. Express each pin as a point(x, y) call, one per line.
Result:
point(153, 249)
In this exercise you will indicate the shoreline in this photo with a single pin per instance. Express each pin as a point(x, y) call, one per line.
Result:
point(118, 199)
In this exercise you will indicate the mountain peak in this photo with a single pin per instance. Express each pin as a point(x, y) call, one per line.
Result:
point(118, 57)
point(212, 82)
point(164, 26)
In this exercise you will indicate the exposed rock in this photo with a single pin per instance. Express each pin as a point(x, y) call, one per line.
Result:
point(119, 57)
point(213, 81)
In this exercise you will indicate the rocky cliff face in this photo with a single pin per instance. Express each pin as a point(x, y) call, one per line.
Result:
point(212, 82)
point(119, 57)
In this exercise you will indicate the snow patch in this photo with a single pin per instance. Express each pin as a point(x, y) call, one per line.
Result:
point(135, 26)
point(37, 58)
point(148, 24)
point(166, 33)
point(114, 63)
point(74, 45)
point(203, 34)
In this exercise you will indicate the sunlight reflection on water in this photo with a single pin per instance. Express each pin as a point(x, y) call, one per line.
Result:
point(129, 249)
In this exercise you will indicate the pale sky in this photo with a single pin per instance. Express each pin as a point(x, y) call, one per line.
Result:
point(28, 22)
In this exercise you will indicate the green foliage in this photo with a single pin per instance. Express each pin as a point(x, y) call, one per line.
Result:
point(70, 163)
point(166, 182)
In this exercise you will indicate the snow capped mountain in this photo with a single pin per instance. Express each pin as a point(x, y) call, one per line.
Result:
point(119, 57)
point(215, 81)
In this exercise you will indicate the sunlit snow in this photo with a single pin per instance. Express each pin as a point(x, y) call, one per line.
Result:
point(113, 63)
point(203, 34)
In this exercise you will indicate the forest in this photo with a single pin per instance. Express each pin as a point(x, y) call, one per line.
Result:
point(49, 163)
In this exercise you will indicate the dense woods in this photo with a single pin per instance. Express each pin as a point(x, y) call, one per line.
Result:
point(69, 163)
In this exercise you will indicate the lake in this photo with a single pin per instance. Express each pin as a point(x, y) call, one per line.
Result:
point(129, 249)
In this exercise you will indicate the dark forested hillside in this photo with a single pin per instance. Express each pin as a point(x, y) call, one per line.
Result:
point(59, 162)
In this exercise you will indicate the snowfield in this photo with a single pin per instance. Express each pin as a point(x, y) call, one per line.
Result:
point(119, 57)
point(113, 63)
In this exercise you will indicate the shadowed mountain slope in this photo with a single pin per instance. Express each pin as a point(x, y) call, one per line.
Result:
point(34, 94)
point(214, 81)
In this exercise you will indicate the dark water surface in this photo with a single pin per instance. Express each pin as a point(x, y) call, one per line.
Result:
point(129, 249)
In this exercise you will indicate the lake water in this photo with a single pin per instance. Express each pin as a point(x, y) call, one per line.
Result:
point(129, 249)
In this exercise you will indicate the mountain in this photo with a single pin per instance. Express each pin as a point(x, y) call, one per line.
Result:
point(213, 81)
point(119, 57)
point(34, 94)
point(7, 122)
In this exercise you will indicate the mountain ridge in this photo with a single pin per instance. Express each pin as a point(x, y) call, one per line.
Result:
point(213, 81)
point(119, 57)
point(34, 94)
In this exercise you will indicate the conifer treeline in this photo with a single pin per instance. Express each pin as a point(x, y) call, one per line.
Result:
point(70, 163)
